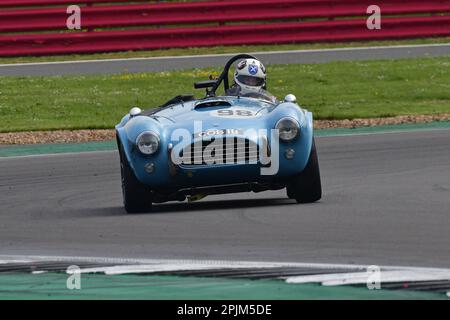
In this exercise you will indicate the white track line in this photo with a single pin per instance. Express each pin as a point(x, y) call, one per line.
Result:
point(152, 265)
point(227, 54)
point(412, 274)
point(360, 276)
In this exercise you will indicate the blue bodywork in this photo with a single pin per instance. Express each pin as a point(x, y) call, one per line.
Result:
point(184, 114)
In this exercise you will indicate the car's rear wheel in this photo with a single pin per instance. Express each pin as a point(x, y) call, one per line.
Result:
point(136, 196)
point(306, 187)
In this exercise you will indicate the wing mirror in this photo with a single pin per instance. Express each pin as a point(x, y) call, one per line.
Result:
point(205, 84)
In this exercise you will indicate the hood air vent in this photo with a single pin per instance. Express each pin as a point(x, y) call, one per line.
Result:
point(212, 104)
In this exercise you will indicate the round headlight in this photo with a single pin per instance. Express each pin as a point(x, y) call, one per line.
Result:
point(147, 142)
point(288, 129)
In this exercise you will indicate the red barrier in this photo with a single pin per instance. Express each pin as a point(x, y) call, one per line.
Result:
point(161, 14)
point(196, 13)
point(351, 30)
point(39, 3)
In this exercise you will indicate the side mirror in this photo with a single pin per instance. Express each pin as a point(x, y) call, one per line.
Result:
point(290, 98)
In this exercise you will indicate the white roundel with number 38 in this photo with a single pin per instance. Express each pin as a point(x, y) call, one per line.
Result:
point(234, 113)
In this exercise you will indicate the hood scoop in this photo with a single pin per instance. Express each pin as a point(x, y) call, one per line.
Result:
point(212, 104)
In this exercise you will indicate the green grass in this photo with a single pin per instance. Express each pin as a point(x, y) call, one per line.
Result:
point(335, 90)
point(221, 49)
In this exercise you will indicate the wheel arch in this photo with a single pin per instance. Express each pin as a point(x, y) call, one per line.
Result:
point(124, 144)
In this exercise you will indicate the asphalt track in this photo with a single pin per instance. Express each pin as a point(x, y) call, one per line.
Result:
point(386, 201)
point(135, 65)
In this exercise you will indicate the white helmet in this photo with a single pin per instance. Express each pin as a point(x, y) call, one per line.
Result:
point(250, 76)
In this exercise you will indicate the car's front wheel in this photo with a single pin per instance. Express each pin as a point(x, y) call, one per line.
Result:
point(136, 196)
point(306, 187)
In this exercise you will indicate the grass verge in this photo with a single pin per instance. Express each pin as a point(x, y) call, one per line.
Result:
point(337, 90)
point(223, 49)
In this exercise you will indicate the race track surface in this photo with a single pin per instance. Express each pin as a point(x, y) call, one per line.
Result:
point(136, 65)
point(386, 201)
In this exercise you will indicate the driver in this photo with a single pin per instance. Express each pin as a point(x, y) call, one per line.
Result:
point(249, 78)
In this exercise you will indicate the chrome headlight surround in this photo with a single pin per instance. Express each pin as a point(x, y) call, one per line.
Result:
point(288, 129)
point(148, 143)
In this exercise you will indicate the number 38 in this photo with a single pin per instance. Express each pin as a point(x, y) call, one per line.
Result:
point(231, 113)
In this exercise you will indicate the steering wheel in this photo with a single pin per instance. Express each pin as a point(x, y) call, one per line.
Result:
point(224, 75)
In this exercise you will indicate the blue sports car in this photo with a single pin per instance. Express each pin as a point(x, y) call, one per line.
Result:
point(189, 148)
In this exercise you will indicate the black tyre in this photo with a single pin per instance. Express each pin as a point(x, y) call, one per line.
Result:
point(136, 196)
point(306, 186)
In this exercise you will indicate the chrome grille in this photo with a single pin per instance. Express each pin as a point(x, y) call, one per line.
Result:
point(219, 151)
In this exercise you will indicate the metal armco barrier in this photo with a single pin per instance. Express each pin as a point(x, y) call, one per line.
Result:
point(175, 25)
